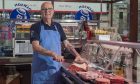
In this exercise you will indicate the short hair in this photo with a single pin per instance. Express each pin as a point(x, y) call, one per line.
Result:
point(46, 3)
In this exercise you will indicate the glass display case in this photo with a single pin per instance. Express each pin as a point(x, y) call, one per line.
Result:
point(15, 38)
point(113, 57)
point(22, 44)
point(74, 31)
point(6, 48)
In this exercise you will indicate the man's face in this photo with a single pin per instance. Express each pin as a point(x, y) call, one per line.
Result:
point(47, 11)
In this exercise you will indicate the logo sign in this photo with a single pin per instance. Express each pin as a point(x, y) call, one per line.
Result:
point(84, 13)
point(20, 11)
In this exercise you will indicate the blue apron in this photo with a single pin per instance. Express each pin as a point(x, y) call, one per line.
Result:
point(45, 70)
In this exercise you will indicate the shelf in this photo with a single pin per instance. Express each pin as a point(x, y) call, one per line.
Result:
point(21, 26)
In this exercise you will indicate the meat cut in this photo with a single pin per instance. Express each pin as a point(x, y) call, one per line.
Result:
point(89, 75)
point(78, 67)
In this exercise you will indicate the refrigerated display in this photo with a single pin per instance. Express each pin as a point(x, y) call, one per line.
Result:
point(6, 48)
point(22, 44)
point(109, 59)
point(74, 31)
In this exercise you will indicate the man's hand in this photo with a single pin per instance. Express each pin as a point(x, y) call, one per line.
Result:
point(58, 58)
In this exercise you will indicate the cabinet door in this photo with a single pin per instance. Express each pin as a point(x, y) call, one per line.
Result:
point(2, 80)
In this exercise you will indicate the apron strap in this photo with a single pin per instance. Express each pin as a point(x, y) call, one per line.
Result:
point(55, 27)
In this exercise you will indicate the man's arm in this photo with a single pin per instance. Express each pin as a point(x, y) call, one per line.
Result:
point(70, 47)
point(72, 50)
point(45, 52)
point(40, 49)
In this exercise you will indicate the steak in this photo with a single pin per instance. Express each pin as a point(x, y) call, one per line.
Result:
point(78, 67)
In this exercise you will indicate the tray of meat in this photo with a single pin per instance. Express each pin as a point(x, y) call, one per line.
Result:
point(89, 76)
point(74, 67)
point(114, 79)
point(70, 77)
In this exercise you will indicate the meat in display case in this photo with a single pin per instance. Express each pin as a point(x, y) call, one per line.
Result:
point(78, 75)
point(108, 62)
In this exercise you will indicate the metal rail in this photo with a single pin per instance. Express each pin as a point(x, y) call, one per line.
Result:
point(117, 43)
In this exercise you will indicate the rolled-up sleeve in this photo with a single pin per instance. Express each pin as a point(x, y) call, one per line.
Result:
point(62, 33)
point(34, 33)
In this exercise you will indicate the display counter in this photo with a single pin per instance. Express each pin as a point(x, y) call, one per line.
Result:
point(109, 56)
point(15, 60)
point(15, 70)
point(116, 56)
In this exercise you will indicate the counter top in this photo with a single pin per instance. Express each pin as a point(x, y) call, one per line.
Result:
point(15, 61)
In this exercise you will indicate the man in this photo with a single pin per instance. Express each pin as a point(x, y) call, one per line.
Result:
point(46, 38)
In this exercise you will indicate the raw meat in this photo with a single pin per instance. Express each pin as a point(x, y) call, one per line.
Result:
point(78, 67)
point(102, 81)
point(114, 79)
point(89, 75)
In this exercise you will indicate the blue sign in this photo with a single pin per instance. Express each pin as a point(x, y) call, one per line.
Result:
point(83, 15)
point(20, 13)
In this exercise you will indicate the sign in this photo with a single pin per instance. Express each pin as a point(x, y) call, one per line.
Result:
point(84, 13)
point(1, 4)
point(32, 5)
point(75, 6)
point(20, 12)
point(21, 8)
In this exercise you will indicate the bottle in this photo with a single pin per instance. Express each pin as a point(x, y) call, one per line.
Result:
point(119, 67)
point(121, 71)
